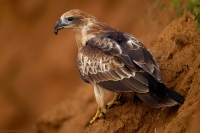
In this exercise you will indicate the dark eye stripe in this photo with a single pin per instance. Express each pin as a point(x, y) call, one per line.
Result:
point(70, 18)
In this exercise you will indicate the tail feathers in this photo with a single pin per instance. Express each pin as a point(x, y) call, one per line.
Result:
point(175, 96)
point(156, 102)
point(159, 95)
point(162, 91)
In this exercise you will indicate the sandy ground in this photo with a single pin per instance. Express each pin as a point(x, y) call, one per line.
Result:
point(40, 87)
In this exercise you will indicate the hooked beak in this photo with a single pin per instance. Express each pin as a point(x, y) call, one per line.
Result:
point(58, 26)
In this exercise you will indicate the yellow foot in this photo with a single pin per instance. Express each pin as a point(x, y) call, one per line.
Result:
point(115, 100)
point(99, 114)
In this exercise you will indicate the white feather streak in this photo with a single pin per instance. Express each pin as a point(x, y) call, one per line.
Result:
point(99, 93)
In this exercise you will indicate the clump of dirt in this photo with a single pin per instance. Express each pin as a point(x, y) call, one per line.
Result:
point(177, 51)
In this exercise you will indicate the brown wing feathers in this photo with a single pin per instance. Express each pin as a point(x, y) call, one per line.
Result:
point(120, 71)
point(125, 65)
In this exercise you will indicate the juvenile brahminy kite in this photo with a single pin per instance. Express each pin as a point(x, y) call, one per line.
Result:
point(116, 61)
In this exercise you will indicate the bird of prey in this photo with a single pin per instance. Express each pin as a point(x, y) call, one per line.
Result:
point(116, 61)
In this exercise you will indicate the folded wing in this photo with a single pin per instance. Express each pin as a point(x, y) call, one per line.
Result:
point(120, 63)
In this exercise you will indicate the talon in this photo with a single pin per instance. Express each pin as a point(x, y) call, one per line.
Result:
point(87, 124)
point(99, 114)
point(115, 101)
point(103, 116)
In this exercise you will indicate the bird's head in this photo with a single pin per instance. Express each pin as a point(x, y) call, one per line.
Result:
point(72, 19)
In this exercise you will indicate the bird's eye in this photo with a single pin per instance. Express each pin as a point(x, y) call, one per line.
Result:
point(70, 18)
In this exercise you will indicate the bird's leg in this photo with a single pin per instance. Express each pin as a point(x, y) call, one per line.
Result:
point(99, 93)
point(115, 100)
point(99, 114)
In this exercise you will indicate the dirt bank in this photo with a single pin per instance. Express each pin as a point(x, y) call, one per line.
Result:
point(177, 51)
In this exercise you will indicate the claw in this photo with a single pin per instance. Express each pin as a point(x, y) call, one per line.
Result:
point(99, 114)
point(115, 101)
